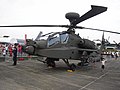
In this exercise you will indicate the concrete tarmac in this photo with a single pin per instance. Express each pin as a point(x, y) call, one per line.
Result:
point(34, 75)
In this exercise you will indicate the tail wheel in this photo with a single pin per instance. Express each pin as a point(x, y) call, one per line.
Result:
point(72, 67)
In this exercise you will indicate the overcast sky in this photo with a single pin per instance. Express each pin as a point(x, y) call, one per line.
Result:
point(15, 12)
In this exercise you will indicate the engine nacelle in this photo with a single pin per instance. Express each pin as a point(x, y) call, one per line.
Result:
point(87, 44)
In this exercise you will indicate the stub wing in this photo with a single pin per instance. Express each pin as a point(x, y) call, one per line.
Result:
point(91, 50)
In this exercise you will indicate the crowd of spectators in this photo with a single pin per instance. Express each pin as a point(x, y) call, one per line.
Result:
point(7, 50)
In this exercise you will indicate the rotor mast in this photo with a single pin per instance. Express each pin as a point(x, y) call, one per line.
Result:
point(72, 17)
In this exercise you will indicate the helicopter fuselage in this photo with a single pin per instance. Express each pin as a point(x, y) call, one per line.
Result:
point(62, 45)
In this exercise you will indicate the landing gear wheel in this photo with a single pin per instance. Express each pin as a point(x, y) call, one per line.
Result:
point(72, 67)
point(83, 64)
point(50, 62)
point(79, 64)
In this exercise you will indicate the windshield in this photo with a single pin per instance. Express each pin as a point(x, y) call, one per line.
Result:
point(57, 38)
point(64, 38)
point(54, 40)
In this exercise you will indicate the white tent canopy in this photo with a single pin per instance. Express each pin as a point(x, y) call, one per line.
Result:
point(20, 41)
point(11, 40)
point(5, 40)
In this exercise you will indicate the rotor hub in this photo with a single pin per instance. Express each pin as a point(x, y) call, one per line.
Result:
point(72, 16)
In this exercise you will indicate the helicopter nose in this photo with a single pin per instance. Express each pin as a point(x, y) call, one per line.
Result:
point(28, 49)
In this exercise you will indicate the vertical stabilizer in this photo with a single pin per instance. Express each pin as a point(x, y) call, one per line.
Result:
point(102, 43)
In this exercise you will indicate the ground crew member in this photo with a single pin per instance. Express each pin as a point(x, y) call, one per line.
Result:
point(15, 55)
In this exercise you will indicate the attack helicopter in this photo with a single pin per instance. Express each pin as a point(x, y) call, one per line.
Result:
point(66, 45)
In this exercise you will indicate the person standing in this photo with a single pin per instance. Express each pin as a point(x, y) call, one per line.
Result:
point(4, 52)
point(15, 55)
point(103, 63)
point(116, 55)
point(10, 50)
point(20, 50)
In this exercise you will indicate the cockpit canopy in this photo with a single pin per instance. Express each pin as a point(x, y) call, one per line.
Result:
point(57, 38)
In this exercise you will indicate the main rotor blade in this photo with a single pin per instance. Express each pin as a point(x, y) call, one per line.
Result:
point(36, 26)
point(79, 27)
point(93, 12)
